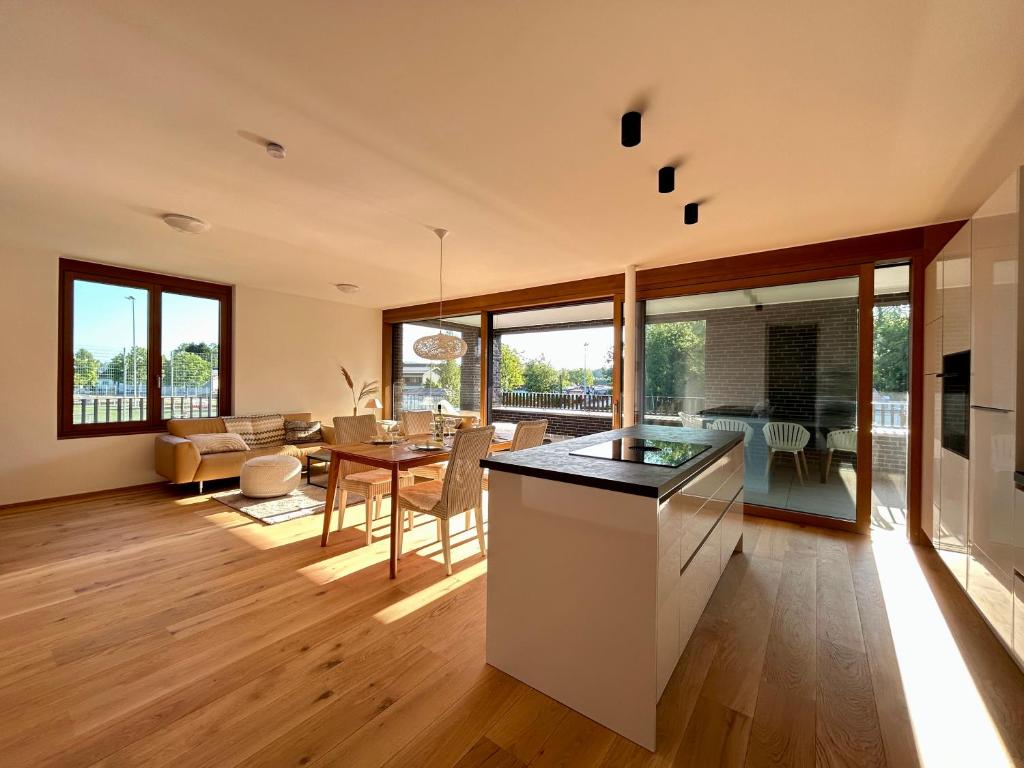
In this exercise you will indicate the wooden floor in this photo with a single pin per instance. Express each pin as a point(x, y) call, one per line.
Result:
point(150, 629)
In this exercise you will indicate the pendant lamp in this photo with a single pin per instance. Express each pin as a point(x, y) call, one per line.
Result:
point(440, 346)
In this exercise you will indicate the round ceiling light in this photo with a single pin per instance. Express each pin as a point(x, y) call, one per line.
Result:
point(347, 287)
point(275, 150)
point(183, 223)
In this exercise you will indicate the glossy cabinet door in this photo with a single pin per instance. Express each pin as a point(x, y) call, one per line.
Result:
point(933, 347)
point(956, 292)
point(951, 539)
point(1018, 576)
point(991, 485)
point(995, 230)
point(933, 290)
point(930, 468)
point(991, 589)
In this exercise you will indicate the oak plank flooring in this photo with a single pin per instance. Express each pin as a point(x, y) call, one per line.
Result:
point(147, 627)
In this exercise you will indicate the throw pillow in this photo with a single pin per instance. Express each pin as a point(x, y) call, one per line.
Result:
point(301, 431)
point(218, 442)
point(268, 431)
point(240, 425)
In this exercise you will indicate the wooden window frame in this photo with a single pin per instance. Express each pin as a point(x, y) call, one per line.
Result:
point(156, 285)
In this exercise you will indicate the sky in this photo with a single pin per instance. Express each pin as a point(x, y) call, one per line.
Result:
point(563, 349)
point(103, 318)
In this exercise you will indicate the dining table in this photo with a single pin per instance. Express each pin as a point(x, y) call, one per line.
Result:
point(397, 457)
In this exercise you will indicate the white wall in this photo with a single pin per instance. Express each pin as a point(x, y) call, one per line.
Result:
point(287, 349)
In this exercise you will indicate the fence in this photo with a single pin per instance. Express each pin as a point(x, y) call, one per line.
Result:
point(884, 413)
point(99, 409)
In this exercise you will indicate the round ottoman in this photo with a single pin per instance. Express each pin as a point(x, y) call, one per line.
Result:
point(267, 476)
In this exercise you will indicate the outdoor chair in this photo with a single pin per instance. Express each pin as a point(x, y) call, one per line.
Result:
point(786, 437)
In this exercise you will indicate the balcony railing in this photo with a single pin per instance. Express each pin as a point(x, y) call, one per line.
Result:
point(101, 409)
point(884, 413)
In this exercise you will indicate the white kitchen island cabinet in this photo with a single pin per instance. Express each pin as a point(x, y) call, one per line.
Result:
point(599, 569)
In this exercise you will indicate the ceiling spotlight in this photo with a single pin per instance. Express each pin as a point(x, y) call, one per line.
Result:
point(183, 223)
point(666, 179)
point(631, 129)
point(347, 287)
point(275, 150)
point(690, 213)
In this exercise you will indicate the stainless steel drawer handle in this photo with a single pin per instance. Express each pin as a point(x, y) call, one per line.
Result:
point(990, 409)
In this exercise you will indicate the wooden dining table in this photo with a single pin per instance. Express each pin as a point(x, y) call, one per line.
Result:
point(396, 457)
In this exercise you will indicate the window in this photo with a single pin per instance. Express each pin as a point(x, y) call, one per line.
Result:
point(139, 348)
point(419, 384)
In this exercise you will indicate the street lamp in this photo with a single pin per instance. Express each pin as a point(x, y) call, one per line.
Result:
point(135, 373)
point(586, 346)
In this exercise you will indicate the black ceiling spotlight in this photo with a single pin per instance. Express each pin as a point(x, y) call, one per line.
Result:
point(667, 179)
point(690, 213)
point(631, 129)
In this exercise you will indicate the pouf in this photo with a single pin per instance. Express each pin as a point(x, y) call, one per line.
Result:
point(267, 476)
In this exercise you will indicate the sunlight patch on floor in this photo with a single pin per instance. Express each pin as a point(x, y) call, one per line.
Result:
point(952, 725)
point(435, 591)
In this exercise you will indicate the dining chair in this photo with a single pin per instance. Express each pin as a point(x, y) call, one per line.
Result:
point(458, 492)
point(422, 423)
point(528, 434)
point(838, 440)
point(734, 425)
point(786, 437)
point(374, 483)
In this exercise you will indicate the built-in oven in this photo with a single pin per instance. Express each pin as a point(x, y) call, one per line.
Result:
point(956, 402)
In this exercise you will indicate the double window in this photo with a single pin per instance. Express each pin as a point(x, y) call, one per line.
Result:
point(138, 348)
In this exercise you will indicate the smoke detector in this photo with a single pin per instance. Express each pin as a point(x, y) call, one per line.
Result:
point(275, 150)
point(183, 223)
point(347, 287)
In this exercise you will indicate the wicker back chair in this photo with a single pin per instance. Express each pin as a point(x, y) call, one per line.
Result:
point(458, 492)
point(417, 422)
point(373, 483)
point(529, 434)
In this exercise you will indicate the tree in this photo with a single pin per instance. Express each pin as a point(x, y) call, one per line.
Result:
point(128, 367)
point(540, 376)
point(510, 369)
point(186, 369)
point(87, 369)
point(575, 376)
point(204, 349)
point(892, 348)
point(446, 376)
point(674, 358)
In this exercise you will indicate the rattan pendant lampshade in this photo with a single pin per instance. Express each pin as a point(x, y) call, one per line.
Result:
point(440, 345)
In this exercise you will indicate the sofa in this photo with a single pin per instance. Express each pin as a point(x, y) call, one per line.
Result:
point(178, 459)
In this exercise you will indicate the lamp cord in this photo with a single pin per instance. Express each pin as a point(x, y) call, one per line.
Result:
point(440, 286)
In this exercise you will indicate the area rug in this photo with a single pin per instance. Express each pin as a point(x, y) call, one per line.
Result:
point(304, 501)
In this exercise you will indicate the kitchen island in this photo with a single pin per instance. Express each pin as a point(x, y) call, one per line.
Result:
point(603, 553)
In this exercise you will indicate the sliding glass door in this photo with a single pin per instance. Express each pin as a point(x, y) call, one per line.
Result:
point(779, 364)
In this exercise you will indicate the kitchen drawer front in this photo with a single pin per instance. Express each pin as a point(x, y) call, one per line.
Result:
point(732, 527)
point(697, 582)
point(707, 483)
point(992, 591)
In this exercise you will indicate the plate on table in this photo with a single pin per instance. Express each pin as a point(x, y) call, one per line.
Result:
point(385, 440)
point(426, 447)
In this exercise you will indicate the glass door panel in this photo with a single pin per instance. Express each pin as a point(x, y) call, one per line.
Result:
point(778, 364)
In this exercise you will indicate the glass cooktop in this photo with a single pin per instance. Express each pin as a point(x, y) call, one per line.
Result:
point(665, 453)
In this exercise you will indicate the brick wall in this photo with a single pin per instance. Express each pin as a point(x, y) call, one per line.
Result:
point(559, 422)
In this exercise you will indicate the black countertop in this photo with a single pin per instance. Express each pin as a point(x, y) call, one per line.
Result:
point(553, 462)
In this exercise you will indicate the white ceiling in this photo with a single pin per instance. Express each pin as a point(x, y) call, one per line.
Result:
point(795, 122)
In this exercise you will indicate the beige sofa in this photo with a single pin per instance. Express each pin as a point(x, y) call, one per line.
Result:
point(178, 459)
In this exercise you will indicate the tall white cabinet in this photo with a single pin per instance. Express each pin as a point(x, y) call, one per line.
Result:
point(971, 506)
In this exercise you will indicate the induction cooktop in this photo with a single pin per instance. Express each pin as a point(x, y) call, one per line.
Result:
point(665, 453)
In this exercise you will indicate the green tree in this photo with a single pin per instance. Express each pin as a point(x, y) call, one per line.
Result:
point(540, 376)
point(446, 376)
point(204, 349)
point(674, 358)
point(575, 376)
point(87, 369)
point(186, 369)
point(128, 367)
point(510, 369)
point(892, 348)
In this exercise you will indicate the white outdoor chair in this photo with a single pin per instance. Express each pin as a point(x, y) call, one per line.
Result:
point(458, 492)
point(734, 425)
point(691, 420)
point(786, 437)
point(838, 440)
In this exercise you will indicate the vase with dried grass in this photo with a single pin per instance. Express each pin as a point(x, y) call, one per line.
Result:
point(368, 389)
